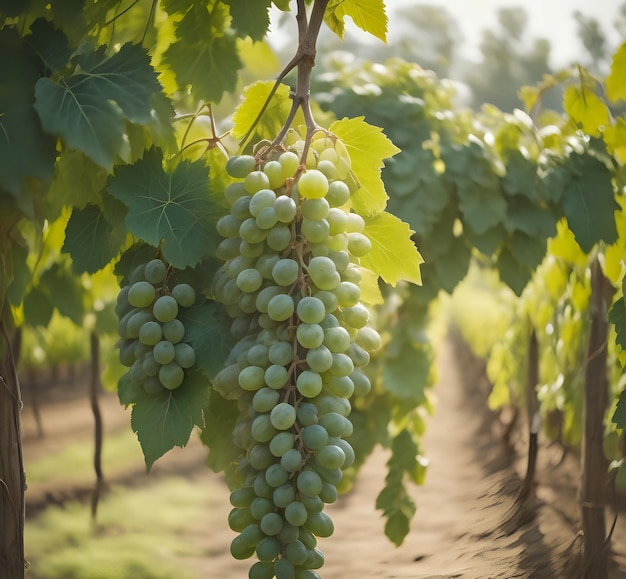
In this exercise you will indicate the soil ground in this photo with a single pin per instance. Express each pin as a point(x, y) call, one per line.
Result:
point(467, 523)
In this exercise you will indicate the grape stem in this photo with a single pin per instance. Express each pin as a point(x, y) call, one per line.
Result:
point(303, 61)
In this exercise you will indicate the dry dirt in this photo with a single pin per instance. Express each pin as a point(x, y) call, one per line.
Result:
point(467, 524)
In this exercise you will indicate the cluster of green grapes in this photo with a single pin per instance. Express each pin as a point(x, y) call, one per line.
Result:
point(290, 282)
point(151, 333)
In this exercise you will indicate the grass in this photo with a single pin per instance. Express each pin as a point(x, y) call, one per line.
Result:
point(146, 533)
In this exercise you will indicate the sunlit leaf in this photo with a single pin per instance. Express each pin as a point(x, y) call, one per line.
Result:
point(369, 15)
point(586, 109)
point(616, 80)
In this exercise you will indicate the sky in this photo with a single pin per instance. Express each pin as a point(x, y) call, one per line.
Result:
point(551, 19)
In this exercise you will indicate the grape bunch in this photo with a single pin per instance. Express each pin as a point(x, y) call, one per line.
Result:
point(290, 281)
point(151, 334)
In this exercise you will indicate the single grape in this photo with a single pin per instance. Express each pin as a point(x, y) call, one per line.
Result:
point(275, 173)
point(369, 339)
point(296, 514)
point(165, 309)
point(228, 226)
point(233, 192)
point(255, 181)
point(262, 199)
point(281, 443)
point(276, 376)
point(267, 218)
point(358, 244)
point(291, 461)
point(252, 378)
point(319, 359)
point(240, 165)
point(310, 335)
point(184, 295)
point(279, 237)
point(315, 437)
point(285, 209)
point(141, 294)
point(265, 399)
point(155, 271)
point(184, 355)
point(163, 352)
point(150, 333)
point(173, 331)
point(338, 194)
point(290, 163)
point(330, 457)
point(283, 416)
point(313, 184)
point(309, 483)
point(281, 353)
point(171, 375)
point(315, 230)
point(285, 272)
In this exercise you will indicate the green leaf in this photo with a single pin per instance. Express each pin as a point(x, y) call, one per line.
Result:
point(368, 15)
point(616, 80)
point(617, 317)
point(367, 147)
point(513, 273)
point(530, 218)
point(586, 109)
point(206, 334)
point(165, 420)
point(50, 44)
point(174, 210)
point(393, 256)
point(88, 107)
point(588, 202)
point(250, 17)
point(219, 417)
point(15, 271)
point(405, 374)
point(91, 240)
point(38, 307)
point(129, 391)
point(452, 267)
point(483, 206)
point(619, 417)
point(25, 151)
point(204, 56)
point(66, 292)
point(521, 175)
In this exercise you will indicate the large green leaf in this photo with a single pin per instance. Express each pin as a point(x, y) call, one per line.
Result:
point(49, 43)
point(174, 210)
point(165, 420)
point(482, 204)
point(88, 107)
point(66, 291)
point(619, 416)
point(220, 416)
point(588, 202)
point(250, 17)
point(617, 316)
point(25, 151)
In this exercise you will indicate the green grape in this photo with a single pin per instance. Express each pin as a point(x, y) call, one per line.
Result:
point(338, 242)
point(296, 514)
point(291, 461)
point(265, 399)
point(313, 504)
point(184, 295)
point(329, 300)
point(283, 416)
point(323, 273)
point(136, 372)
point(275, 173)
point(165, 309)
point(184, 355)
point(152, 385)
point(326, 403)
point(261, 488)
point(163, 352)
point(341, 259)
point(242, 497)
point(265, 264)
point(233, 192)
point(342, 365)
point(137, 274)
point(362, 384)
point(329, 169)
point(330, 457)
point(255, 181)
point(260, 506)
point(249, 280)
point(173, 331)
point(369, 339)
point(268, 549)
point(290, 163)
point(280, 308)
point(347, 449)
point(281, 443)
point(240, 165)
point(336, 425)
point(150, 333)
point(260, 457)
point(228, 226)
point(348, 294)
point(239, 550)
point(356, 316)
point(261, 570)
point(320, 524)
point(122, 306)
point(308, 538)
point(141, 294)
point(135, 323)
point(336, 339)
point(352, 274)
point(284, 494)
point(285, 272)
point(251, 535)
point(285, 208)
point(171, 375)
point(296, 552)
point(337, 220)
point(276, 376)
point(338, 194)
point(265, 295)
point(315, 209)
point(314, 437)
point(252, 378)
point(358, 355)
point(267, 218)
point(251, 249)
point(341, 386)
point(311, 310)
point(281, 353)
point(329, 493)
point(316, 231)
point(313, 184)
point(155, 271)
point(284, 569)
point(127, 352)
point(261, 200)
point(329, 321)
point(276, 475)
point(149, 364)
point(358, 244)
point(310, 335)
point(250, 232)
point(309, 384)
point(306, 574)
point(319, 359)
point(279, 237)
point(355, 223)
point(262, 428)
point(309, 483)
point(306, 414)
point(228, 248)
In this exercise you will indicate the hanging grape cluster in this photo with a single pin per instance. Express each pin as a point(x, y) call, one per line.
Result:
point(151, 334)
point(290, 282)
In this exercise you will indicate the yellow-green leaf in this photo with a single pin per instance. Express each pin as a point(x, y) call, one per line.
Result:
point(368, 15)
point(528, 95)
point(586, 109)
point(393, 255)
point(370, 290)
point(367, 147)
point(615, 139)
point(254, 97)
point(616, 81)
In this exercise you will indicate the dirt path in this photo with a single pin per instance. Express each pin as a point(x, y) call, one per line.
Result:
point(461, 529)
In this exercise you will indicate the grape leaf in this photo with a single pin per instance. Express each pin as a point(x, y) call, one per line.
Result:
point(405, 374)
point(49, 43)
point(615, 138)
point(616, 80)
point(452, 267)
point(368, 15)
point(513, 273)
point(393, 255)
point(529, 217)
point(206, 335)
point(38, 307)
point(617, 317)
point(25, 151)
point(619, 416)
point(483, 206)
point(370, 290)
point(586, 109)
point(173, 209)
point(250, 17)
point(204, 55)
point(588, 202)
point(528, 250)
point(88, 107)
point(91, 240)
point(162, 421)
point(254, 96)
point(521, 175)
point(66, 292)
point(220, 416)
point(367, 147)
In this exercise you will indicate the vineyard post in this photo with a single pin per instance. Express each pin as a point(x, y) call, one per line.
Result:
point(12, 480)
point(594, 463)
